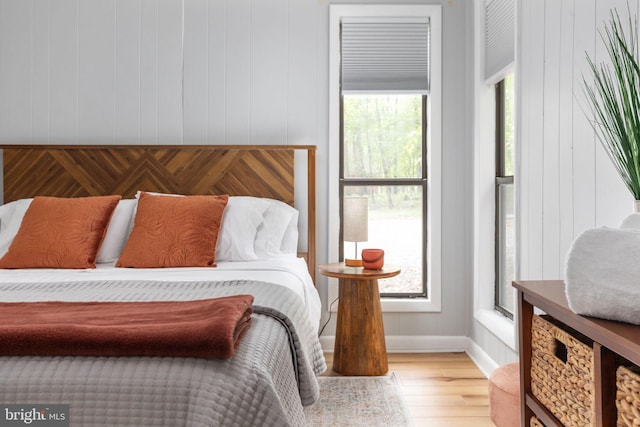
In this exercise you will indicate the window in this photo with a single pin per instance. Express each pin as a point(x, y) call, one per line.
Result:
point(382, 158)
point(385, 135)
point(505, 206)
point(493, 219)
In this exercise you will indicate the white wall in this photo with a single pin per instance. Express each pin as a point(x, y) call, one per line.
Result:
point(565, 181)
point(577, 188)
point(111, 71)
point(255, 72)
point(103, 71)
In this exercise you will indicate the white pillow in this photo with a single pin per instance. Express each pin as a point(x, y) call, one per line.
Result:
point(11, 215)
point(240, 222)
point(254, 227)
point(118, 231)
point(277, 223)
point(290, 239)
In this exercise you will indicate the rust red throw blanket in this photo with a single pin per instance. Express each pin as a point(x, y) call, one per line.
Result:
point(208, 328)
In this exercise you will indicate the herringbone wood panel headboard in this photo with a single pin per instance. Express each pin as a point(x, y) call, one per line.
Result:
point(93, 171)
point(75, 171)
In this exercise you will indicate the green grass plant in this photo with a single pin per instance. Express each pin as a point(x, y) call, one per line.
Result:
point(614, 98)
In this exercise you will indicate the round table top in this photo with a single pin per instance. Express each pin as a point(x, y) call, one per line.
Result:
point(341, 271)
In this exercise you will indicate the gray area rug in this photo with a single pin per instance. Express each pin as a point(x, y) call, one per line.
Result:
point(359, 401)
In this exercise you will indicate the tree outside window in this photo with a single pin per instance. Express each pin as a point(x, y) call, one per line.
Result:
point(383, 158)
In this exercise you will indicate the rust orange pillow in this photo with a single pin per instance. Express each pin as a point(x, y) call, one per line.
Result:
point(58, 232)
point(174, 232)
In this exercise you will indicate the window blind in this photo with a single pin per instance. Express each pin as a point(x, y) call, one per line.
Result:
point(385, 55)
point(499, 37)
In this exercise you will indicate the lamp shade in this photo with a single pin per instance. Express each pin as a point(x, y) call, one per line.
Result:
point(355, 219)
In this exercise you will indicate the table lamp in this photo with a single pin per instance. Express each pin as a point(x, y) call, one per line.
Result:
point(355, 225)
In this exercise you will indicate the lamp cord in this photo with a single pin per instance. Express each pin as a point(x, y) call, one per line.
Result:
point(329, 319)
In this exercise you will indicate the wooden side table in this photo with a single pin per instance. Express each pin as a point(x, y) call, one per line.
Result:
point(360, 347)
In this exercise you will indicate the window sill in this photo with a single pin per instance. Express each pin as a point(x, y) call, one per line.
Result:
point(499, 325)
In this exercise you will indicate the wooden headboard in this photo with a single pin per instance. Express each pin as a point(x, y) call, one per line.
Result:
point(94, 170)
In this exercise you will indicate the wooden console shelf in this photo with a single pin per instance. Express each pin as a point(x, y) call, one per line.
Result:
point(610, 340)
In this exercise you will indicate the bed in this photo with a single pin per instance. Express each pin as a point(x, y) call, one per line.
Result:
point(272, 373)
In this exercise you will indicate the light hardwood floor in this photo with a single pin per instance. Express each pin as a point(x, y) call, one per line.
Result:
point(440, 389)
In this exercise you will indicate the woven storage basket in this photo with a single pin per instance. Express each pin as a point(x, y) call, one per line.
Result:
point(628, 396)
point(535, 422)
point(562, 372)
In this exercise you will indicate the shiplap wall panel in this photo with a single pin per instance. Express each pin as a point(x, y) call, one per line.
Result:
point(238, 72)
point(104, 71)
point(127, 72)
point(302, 71)
point(611, 194)
point(565, 133)
point(584, 139)
point(567, 182)
point(269, 71)
point(217, 71)
point(15, 50)
point(453, 231)
point(110, 71)
point(196, 71)
point(523, 124)
point(40, 75)
point(252, 81)
point(149, 83)
point(550, 140)
point(63, 75)
point(533, 197)
point(96, 66)
point(169, 69)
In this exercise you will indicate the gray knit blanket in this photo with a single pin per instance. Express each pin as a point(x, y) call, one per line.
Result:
point(267, 383)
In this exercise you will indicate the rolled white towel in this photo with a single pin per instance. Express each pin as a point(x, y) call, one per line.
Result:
point(631, 222)
point(603, 274)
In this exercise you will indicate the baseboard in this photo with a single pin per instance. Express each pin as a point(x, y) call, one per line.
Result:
point(412, 343)
point(480, 357)
point(430, 344)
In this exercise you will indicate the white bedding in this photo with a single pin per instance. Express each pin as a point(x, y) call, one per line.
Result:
point(267, 382)
point(286, 270)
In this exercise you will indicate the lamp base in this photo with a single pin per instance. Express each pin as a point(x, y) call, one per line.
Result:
point(353, 262)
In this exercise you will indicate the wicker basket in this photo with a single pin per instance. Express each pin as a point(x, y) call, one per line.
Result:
point(562, 372)
point(535, 422)
point(628, 396)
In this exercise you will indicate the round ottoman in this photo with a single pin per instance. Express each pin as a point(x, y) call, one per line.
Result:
point(504, 395)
